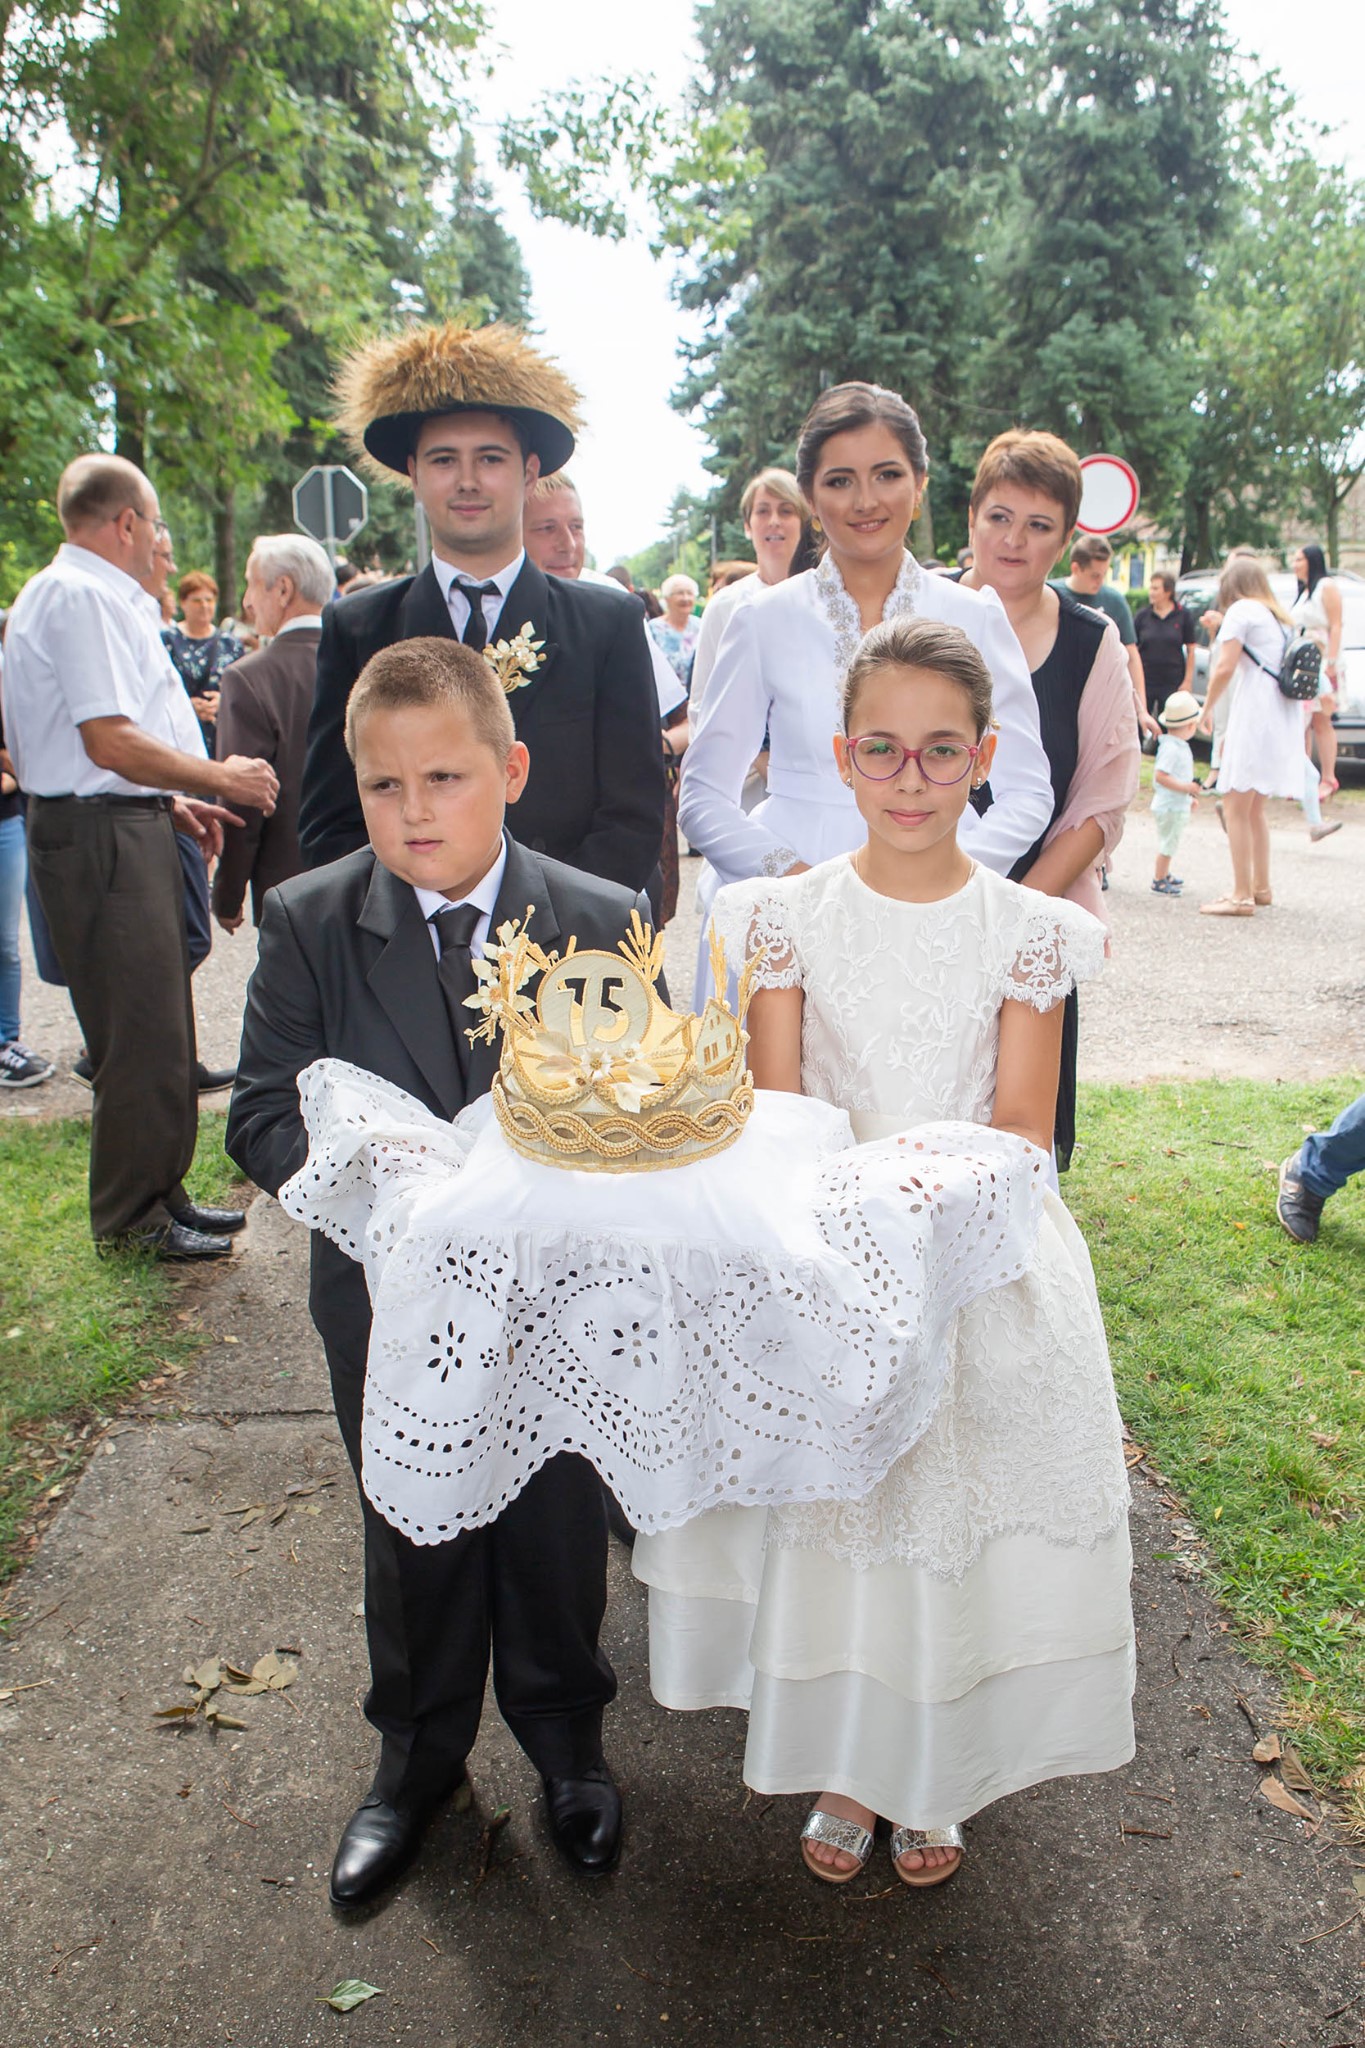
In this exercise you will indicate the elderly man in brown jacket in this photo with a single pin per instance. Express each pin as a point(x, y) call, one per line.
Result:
point(267, 697)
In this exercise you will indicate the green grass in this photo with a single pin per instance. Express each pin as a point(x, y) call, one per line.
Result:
point(1240, 1362)
point(76, 1330)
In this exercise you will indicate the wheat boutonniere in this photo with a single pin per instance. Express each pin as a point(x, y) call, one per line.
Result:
point(515, 661)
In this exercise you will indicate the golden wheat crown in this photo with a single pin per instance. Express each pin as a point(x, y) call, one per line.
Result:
point(597, 1072)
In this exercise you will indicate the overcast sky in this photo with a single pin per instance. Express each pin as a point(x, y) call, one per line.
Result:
point(605, 309)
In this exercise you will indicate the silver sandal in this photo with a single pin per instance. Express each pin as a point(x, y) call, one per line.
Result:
point(838, 1834)
point(903, 1840)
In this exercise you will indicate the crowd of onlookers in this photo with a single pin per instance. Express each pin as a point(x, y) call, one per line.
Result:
point(235, 691)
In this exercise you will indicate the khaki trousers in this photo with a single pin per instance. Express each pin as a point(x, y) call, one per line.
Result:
point(108, 877)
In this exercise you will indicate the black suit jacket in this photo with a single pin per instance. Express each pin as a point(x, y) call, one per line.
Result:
point(263, 713)
point(346, 969)
point(589, 716)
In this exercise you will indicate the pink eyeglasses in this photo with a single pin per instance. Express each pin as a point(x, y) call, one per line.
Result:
point(879, 758)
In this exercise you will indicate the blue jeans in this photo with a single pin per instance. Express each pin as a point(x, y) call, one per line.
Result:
point(13, 870)
point(1328, 1159)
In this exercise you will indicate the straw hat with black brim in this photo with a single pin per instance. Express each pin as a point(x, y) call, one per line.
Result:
point(388, 387)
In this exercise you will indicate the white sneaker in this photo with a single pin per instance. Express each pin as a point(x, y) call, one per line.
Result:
point(20, 1068)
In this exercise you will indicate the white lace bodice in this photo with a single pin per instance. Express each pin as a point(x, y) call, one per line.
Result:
point(901, 1015)
point(901, 1023)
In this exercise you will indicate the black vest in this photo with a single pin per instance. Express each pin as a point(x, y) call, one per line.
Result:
point(1058, 685)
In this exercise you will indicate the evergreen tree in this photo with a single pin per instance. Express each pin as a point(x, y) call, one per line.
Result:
point(874, 132)
point(1120, 158)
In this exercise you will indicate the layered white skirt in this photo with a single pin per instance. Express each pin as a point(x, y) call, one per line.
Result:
point(964, 1631)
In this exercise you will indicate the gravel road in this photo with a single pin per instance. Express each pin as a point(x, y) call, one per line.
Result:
point(1280, 996)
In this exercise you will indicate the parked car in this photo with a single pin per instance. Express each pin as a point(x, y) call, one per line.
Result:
point(1198, 592)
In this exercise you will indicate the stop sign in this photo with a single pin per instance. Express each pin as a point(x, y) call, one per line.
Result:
point(330, 504)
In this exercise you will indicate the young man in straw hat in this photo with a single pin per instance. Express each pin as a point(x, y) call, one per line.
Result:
point(472, 417)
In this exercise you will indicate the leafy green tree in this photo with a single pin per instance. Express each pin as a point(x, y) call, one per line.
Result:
point(1120, 163)
point(243, 182)
point(1277, 348)
point(826, 200)
point(876, 134)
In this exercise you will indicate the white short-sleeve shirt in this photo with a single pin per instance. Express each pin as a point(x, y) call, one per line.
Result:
point(80, 644)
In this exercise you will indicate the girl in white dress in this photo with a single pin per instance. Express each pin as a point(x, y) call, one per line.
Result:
point(862, 463)
point(1262, 754)
point(965, 1629)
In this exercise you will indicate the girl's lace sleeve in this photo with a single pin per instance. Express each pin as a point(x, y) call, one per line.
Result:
point(1058, 947)
point(753, 915)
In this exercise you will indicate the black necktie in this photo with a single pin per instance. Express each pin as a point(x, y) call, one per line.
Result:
point(475, 633)
point(455, 928)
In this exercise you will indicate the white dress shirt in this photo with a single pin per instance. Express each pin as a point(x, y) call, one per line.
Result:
point(778, 669)
point(81, 644)
point(450, 579)
point(483, 895)
point(306, 619)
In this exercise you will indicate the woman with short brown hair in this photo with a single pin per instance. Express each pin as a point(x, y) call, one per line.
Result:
point(1024, 502)
point(1165, 642)
point(199, 649)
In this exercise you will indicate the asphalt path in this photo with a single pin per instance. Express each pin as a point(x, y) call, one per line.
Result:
point(166, 1882)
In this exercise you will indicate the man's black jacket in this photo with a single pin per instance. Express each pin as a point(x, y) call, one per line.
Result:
point(589, 716)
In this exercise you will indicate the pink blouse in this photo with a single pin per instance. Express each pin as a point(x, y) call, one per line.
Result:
point(1106, 777)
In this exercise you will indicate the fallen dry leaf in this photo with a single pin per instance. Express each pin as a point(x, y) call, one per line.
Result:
point(1267, 1750)
point(1293, 1772)
point(1275, 1792)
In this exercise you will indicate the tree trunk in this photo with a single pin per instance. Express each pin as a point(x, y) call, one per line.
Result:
point(1202, 549)
point(225, 550)
point(130, 426)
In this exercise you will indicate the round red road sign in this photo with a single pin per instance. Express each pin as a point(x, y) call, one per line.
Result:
point(1109, 493)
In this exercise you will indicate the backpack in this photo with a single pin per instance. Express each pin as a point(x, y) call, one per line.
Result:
point(1300, 666)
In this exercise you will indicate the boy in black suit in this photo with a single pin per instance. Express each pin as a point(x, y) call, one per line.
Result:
point(369, 960)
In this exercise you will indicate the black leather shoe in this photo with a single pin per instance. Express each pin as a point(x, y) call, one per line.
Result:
point(377, 1844)
point(585, 1820)
point(170, 1241)
point(209, 1079)
point(225, 1221)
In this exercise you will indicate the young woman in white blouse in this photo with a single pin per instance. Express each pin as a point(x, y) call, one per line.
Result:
point(1262, 752)
point(862, 465)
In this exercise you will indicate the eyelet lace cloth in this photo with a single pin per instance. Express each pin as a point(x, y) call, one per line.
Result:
point(901, 1023)
point(769, 1326)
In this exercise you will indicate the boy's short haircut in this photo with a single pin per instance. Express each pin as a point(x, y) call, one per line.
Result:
point(1090, 547)
point(438, 674)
